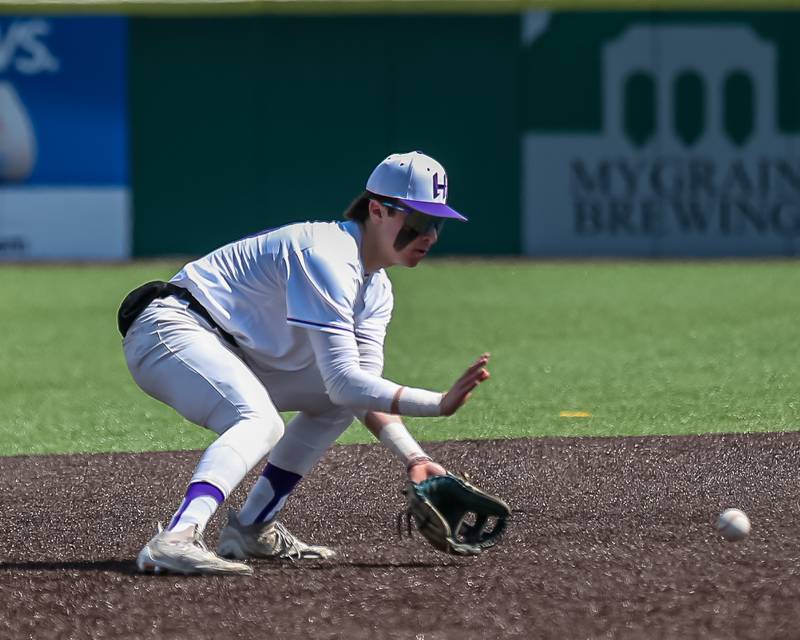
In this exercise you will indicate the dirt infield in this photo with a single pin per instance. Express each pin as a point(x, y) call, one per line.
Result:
point(611, 538)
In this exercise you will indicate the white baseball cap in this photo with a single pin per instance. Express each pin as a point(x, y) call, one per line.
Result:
point(417, 180)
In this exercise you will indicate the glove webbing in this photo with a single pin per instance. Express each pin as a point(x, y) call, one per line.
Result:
point(445, 528)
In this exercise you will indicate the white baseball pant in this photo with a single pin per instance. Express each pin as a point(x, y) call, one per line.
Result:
point(175, 356)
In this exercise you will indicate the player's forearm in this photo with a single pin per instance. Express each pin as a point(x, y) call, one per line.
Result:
point(393, 434)
point(349, 385)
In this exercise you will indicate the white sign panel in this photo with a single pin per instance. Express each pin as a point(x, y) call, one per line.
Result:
point(689, 160)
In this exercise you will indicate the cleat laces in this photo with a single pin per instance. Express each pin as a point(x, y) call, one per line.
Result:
point(286, 543)
point(197, 540)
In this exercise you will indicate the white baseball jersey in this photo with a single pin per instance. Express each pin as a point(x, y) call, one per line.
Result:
point(265, 289)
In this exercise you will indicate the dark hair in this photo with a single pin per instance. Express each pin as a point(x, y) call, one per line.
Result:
point(359, 208)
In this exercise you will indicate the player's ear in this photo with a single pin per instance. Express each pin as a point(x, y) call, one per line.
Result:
point(375, 209)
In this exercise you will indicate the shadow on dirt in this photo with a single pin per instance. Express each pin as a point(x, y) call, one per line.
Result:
point(128, 567)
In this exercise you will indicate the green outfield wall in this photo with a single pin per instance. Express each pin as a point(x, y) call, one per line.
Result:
point(241, 124)
point(565, 133)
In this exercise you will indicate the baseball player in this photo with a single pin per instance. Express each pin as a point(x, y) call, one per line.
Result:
point(290, 319)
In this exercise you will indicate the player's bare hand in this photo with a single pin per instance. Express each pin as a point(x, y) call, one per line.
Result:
point(461, 391)
point(424, 469)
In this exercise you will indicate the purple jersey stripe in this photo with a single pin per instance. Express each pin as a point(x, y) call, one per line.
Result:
point(318, 324)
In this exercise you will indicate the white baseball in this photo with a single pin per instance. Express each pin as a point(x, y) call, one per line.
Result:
point(733, 524)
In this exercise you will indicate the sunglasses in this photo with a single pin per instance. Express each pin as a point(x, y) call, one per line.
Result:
point(417, 221)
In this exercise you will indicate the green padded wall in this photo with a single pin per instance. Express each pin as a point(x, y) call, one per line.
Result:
point(240, 124)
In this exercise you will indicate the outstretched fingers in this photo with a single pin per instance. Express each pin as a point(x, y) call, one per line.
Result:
point(477, 373)
point(479, 363)
point(463, 387)
point(477, 370)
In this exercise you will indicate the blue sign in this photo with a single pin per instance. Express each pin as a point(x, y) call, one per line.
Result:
point(63, 101)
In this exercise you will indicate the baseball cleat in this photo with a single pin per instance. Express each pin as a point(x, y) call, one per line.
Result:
point(185, 552)
point(265, 540)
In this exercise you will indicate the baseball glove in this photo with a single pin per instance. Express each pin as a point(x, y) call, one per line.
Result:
point(452, 514)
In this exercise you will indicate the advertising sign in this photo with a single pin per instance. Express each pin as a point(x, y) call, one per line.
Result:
point(63, 139)
point(688, 158)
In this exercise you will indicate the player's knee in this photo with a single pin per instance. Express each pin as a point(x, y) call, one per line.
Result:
point(255, 438)
point(266, 422)
point(266, 430)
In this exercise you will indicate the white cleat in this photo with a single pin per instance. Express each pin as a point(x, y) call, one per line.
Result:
point(265, 540)
point(185, 552)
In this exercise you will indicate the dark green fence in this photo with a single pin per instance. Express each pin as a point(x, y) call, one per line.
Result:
point(564, 133)
point(240, 124)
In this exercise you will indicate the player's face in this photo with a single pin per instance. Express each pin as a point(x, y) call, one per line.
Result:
point(418, 248)
point(415, 234)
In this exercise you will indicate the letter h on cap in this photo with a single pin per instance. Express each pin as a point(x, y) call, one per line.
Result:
point(439, 186)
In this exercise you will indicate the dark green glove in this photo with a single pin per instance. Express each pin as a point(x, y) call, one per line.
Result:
point(452, 514)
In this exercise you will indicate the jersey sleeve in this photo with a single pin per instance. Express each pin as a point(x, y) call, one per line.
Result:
point(371, 324)
point(348, 385)
point(321, 291)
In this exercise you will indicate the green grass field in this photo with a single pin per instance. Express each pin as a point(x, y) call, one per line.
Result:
point(646, 348)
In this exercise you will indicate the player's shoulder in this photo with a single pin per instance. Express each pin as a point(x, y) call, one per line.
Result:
point(382, 283)
point(325, 257)
point(309, 232)
point(334, 239)
point(342, 235)
point(336, 244)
